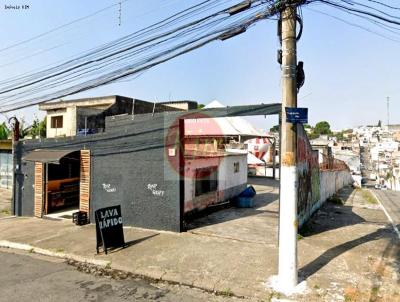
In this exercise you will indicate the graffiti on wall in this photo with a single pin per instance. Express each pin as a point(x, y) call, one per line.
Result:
point(308, 175)
point(154, 190)
point(109, 188)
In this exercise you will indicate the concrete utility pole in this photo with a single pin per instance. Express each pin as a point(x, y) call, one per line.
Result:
point(388, 114)
point(288, 223)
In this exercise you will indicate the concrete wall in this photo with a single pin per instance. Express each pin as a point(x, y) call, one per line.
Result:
point(69, 122)
point(314, 185)
point(95, 118)
point(333, 181)
point(230, 184)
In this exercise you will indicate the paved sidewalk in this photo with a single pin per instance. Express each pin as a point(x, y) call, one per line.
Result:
point(347, 252)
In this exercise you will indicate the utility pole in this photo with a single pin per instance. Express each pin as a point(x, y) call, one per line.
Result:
point(388, 114)
point(288, 223)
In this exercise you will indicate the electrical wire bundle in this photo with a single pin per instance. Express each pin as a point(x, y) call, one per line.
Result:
point(380, 14)
point(137, 52)
point(184, 31)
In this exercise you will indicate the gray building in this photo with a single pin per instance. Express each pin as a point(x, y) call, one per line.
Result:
point(138, 163)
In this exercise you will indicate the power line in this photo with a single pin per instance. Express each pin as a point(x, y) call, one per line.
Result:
point(60, 27)
point(192, 28)
point(174, 36)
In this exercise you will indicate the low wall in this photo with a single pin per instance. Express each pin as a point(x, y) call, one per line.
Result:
point(333, 181)
point(315, 186)
point(329, 183)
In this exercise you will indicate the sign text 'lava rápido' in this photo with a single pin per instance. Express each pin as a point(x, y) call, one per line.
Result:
point(109, 228)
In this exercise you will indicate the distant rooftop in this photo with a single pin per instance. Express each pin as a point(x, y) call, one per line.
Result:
point(93, 101)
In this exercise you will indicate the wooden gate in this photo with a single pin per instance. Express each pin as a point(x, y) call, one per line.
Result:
point(84, 187)
point(38, 192)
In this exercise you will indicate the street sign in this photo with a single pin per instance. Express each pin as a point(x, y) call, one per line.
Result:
point(296, 115)
point(109, 231)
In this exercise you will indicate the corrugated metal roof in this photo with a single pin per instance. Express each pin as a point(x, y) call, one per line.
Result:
point(48, 156)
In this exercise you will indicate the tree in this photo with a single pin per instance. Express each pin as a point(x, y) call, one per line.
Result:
point(4, 131)
point(323, 128)
point(340, 136)
point(200, 106)
point(38, 129)
point(274, 129)
point(23, 130)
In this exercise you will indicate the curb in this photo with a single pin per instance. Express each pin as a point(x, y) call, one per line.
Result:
point(396, 230)
point(37, 250)
point(103, 265)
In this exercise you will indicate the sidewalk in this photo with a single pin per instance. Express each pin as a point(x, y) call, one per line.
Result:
point(347, 251)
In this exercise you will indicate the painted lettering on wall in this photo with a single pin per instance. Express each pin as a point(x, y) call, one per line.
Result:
point(154, 190)
point(109, 189)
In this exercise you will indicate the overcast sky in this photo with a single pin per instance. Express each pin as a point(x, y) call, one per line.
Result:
point(349, 71)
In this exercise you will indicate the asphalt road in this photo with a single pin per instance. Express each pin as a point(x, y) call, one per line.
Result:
point(391, 201)
point(30, 277)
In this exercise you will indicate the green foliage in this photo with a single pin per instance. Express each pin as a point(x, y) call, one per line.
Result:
point(323, 128)
point(226, 292)
point(23, 129)
point(200, 106)
point(335, 200)
point(339, 136)
point(389, 175)
point(369, 198)
point(312, 135)
point(38, 128)
point(274, 129)
point(4, 131)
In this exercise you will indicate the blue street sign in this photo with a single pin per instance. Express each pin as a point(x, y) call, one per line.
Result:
point(296, 115)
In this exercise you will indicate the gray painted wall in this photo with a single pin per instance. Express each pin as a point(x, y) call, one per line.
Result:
point(124, 161)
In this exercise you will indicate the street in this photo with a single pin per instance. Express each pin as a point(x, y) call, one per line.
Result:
point(36, 278)
point(391, 201)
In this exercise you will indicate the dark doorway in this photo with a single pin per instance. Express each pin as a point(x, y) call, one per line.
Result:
point(62, 184)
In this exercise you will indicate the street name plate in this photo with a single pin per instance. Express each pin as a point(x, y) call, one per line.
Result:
point(296, 115)
point(109, 228)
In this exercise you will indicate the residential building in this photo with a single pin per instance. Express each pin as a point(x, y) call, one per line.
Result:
point(87, 115)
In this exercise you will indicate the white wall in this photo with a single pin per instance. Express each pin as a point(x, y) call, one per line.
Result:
point(230, 183)
point(69, 122)
point(333, 181)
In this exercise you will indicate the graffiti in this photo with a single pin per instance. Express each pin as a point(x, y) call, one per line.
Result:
point(154, 191)
point(108, 188)
point(308, 176)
